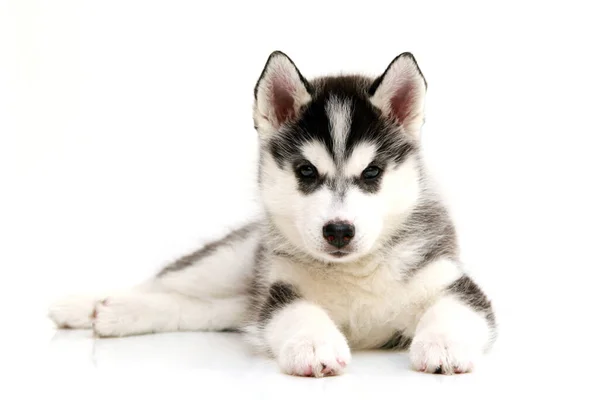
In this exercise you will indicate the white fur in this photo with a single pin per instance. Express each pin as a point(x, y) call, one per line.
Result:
point(306, 342)
point(369, 300)
point(219, 275)
point(340, 117)
point(319, 157)
point(73, 312)
point(137, 313)
point(449, 335)
point(359, 159)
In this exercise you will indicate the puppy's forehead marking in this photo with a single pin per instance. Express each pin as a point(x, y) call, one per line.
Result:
point(339, 113)
point(360, 157)
point(317, 154)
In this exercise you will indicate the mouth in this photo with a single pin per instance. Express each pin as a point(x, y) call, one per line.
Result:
point(339, 254)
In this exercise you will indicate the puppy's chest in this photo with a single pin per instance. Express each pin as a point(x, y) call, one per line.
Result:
point(369, 305)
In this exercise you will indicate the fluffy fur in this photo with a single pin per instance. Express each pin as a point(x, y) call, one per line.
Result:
point(342, 152)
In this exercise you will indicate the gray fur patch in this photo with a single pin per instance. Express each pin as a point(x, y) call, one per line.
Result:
point(210, 248)
point(280, 294)
point(472, 295)
point(397, 342)
point(429, 225)
point(257, 286)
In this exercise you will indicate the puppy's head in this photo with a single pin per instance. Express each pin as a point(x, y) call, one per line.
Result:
point(339, 155)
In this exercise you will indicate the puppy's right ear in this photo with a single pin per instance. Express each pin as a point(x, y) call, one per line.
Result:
point(279, 93)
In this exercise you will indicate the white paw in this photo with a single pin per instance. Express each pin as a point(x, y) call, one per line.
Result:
point(315, 355)
point(119, 316)
point(436, 353)
point(73, 312)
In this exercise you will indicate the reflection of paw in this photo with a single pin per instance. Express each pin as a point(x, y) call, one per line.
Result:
point(311, 355)
point(119, 316)
point(437, 354)
point(73, 312)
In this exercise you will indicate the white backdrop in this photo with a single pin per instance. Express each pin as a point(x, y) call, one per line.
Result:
point(126, 139)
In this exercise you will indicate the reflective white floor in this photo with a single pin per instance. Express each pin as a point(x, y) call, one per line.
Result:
point(222, 363)
point(40, 362)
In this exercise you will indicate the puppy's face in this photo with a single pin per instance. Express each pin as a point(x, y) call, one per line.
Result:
point(339, 155)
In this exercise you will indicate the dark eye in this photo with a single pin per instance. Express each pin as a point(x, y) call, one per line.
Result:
point(371, 172)
point(307, 172)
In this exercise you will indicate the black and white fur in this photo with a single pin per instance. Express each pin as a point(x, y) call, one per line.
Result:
point(333, 150)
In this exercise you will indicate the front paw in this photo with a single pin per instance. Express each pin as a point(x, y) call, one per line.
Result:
point(439, 354)
point(315, 355)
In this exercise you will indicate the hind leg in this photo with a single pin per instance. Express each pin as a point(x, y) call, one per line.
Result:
point(139, 313)
point(205, 290)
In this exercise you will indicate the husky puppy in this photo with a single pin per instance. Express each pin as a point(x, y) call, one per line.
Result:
point(355, 249)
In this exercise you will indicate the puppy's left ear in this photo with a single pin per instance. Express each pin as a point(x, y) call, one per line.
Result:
point(279, 94)
point(400, 93)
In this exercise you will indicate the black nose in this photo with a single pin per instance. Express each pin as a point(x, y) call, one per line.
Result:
point(338, 234)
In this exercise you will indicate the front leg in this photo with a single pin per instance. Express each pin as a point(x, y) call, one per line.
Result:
point(302, 337)
point(454, 332)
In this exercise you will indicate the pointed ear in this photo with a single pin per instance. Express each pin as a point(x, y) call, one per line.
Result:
point(279, 93)
point(400, 93)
